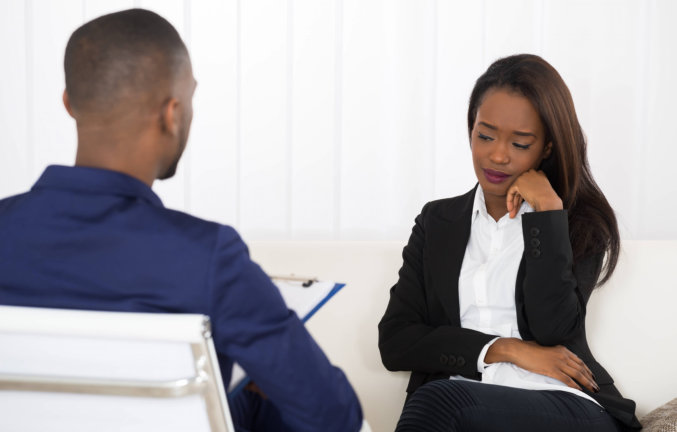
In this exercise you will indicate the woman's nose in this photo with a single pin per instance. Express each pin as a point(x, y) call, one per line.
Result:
point(499, 153)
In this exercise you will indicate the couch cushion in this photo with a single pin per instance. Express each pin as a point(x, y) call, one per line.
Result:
point(662, 419)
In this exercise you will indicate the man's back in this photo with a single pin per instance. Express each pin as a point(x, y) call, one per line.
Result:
point(88, 238)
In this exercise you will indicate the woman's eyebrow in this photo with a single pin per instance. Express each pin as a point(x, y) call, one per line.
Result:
point(488, 125)
point(518, 133)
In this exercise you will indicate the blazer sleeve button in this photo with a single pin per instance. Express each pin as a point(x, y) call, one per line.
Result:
point(444, 359)
point(535, 232)
point(535, 253)
point(452, 360)
point(460, 361)
point(535, 242)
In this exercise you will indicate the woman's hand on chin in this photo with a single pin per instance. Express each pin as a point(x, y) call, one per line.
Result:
point(535, 188)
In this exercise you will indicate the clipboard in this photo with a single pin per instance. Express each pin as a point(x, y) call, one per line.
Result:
point(303, 295)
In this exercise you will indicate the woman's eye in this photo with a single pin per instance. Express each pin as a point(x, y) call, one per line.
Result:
point(521, 146)
point(485, 137)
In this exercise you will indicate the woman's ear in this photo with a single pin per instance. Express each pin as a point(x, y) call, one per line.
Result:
point(547, 151)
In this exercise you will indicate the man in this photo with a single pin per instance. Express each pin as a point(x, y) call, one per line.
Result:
point(95, 236)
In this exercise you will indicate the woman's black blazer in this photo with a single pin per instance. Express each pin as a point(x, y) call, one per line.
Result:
point(421, 328)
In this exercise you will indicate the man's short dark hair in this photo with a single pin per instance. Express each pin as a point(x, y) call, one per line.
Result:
point(120, 57)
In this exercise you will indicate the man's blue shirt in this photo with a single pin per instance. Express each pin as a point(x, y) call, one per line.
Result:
point(86, 238)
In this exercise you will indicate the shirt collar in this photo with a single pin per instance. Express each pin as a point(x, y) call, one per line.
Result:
point(95, 181)
point(479, 207)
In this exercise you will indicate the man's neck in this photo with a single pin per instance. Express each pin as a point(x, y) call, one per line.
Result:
point(120, 157)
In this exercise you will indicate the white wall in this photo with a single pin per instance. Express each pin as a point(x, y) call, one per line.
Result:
point(339, 119)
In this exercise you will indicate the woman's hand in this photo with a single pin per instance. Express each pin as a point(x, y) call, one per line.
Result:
point(533, 187)
point(556, 362)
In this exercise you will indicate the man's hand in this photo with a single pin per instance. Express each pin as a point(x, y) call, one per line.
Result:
point(556, 362)
point(533, 187)
point(252, 387)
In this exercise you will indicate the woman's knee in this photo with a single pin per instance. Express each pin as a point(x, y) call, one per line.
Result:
point(437, 406)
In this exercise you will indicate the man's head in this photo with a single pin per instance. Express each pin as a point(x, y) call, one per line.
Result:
point(129, 86)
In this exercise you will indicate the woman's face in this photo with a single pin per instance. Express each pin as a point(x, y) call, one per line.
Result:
point(507, 140)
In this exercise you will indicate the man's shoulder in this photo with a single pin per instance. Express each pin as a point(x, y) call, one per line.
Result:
point(188, 224)
point(9, 201)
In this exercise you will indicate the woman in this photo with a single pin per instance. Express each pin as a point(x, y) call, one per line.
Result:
point(495, 282)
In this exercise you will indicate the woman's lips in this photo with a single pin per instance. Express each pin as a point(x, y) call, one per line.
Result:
point(495, 176)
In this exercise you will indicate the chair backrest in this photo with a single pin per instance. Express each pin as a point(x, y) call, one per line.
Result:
point(108, 371)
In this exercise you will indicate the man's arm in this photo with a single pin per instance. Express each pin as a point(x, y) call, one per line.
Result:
point(254, 327)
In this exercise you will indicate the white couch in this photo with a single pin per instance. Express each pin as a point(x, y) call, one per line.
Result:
point(632, 324)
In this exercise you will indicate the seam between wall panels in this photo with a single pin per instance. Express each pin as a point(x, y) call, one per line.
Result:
point(338, 115)
point(187, 165)
point(433, 102)
point(644, 53)
point(289, 118)
point(30, 90)
point(238, 116)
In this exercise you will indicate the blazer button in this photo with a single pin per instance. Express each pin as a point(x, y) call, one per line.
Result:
point(535, 232)
point(535, 242)
point(452, 360)
point(444, 359)
point(535, 253)
point(460, 361)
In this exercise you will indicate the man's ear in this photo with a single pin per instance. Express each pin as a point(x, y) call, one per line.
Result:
point(170, 116)
point(67, 103)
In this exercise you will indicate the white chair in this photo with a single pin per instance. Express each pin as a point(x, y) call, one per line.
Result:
point(67, 370)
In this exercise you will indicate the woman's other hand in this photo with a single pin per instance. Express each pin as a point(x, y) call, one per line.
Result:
point(556, 362)
point(533, 187)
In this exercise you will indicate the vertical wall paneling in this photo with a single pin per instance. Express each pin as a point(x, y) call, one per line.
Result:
point(384, 158)
point(30, 92)
point(538, 26)
point(214, 174)
point(458, 66)
point(54, 136)
point(238, 109)
point(429, 77)
point(362, 206)
point(338, 117)
point(510, 28)
point(96, 8)
point(173, 191)
point(658, 139)
point(642, 65)
point(15, 155)
point(603, 91)
point(289, 114)
point(263, 185)
point(187, 155)
point(311, 114)
point(409, 97)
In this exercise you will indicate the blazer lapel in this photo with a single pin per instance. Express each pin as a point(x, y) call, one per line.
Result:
point(448, 236)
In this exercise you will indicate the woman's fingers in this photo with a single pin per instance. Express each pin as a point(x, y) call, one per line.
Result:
point(566, 379)
point(556, 362)
point(509, 198)
point(578, 364)
point(577, 360)
point(517, 202)
point(513, 200)
point(533, 187)
point(582, 377)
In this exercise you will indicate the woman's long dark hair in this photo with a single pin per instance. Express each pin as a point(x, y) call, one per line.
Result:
point(592, 223)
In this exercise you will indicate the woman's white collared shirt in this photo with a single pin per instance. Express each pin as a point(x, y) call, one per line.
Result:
point(486, 290)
